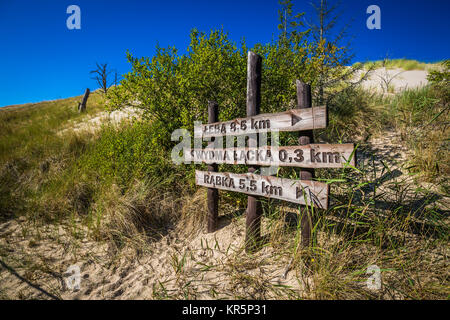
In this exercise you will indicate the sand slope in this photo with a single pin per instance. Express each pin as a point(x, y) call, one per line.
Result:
point(399, 79)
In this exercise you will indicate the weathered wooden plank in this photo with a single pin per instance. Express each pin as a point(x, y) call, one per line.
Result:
point(291, 120)
point(297, 191)
point(308, 156)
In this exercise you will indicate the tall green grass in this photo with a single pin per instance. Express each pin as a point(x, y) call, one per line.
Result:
point(32, 152)
point(422, 117)
point(33, 127)
point(405, 64)
point(113, 180)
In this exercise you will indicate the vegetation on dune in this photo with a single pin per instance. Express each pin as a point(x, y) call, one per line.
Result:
point(32, 151)
point(120, 183)
point(405, 64)
point(421, 116)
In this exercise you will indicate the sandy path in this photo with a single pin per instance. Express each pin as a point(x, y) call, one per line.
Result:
point(206, 266)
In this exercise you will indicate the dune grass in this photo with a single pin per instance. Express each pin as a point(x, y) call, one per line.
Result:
point(405, 64)
point(31, 150)
point(421, 116)
point(29, 125)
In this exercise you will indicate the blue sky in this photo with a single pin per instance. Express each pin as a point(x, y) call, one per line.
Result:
point(40, 59)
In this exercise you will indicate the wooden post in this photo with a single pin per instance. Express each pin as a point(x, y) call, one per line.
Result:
point(213, 193)
point(254, 209)
point(82, 105)
point(306, 137)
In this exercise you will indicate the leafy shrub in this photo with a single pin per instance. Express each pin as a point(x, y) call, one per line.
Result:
point(122, 154)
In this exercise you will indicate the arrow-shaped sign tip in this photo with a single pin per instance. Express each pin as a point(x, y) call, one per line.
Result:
point(295, 119)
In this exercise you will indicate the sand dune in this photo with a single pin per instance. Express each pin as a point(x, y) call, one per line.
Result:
point(399, 79)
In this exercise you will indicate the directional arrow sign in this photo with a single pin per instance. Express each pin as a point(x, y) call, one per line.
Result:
point(308, 156)
point(297, 191)
point(291, 120)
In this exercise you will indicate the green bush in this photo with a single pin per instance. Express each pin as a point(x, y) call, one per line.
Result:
point(122, 154)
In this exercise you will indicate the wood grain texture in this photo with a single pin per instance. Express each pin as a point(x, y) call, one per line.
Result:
point(253, 107)
point(291, 120)
point(212, 193)
point(309, 156)
point(304, 102)
point(297, 191)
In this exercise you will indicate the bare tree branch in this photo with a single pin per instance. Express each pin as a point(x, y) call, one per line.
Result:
point(101, 76)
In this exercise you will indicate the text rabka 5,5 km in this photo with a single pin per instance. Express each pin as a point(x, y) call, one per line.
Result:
point(296, 191)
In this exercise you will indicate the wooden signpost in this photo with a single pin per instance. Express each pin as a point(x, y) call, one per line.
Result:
point(292, 120)
point(307, 155)
point(297, 191)
point(305, 138)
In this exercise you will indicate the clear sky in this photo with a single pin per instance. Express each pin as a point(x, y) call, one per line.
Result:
point(41, 59)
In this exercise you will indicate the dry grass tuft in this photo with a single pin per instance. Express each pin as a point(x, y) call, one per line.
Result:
point(193, 214)
point(144, 213)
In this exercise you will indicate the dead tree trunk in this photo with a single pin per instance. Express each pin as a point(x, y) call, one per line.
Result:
point(82, 104)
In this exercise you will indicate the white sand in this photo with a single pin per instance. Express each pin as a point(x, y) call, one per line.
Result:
point(93, 123)
point(398, 78)
point(212, 263)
